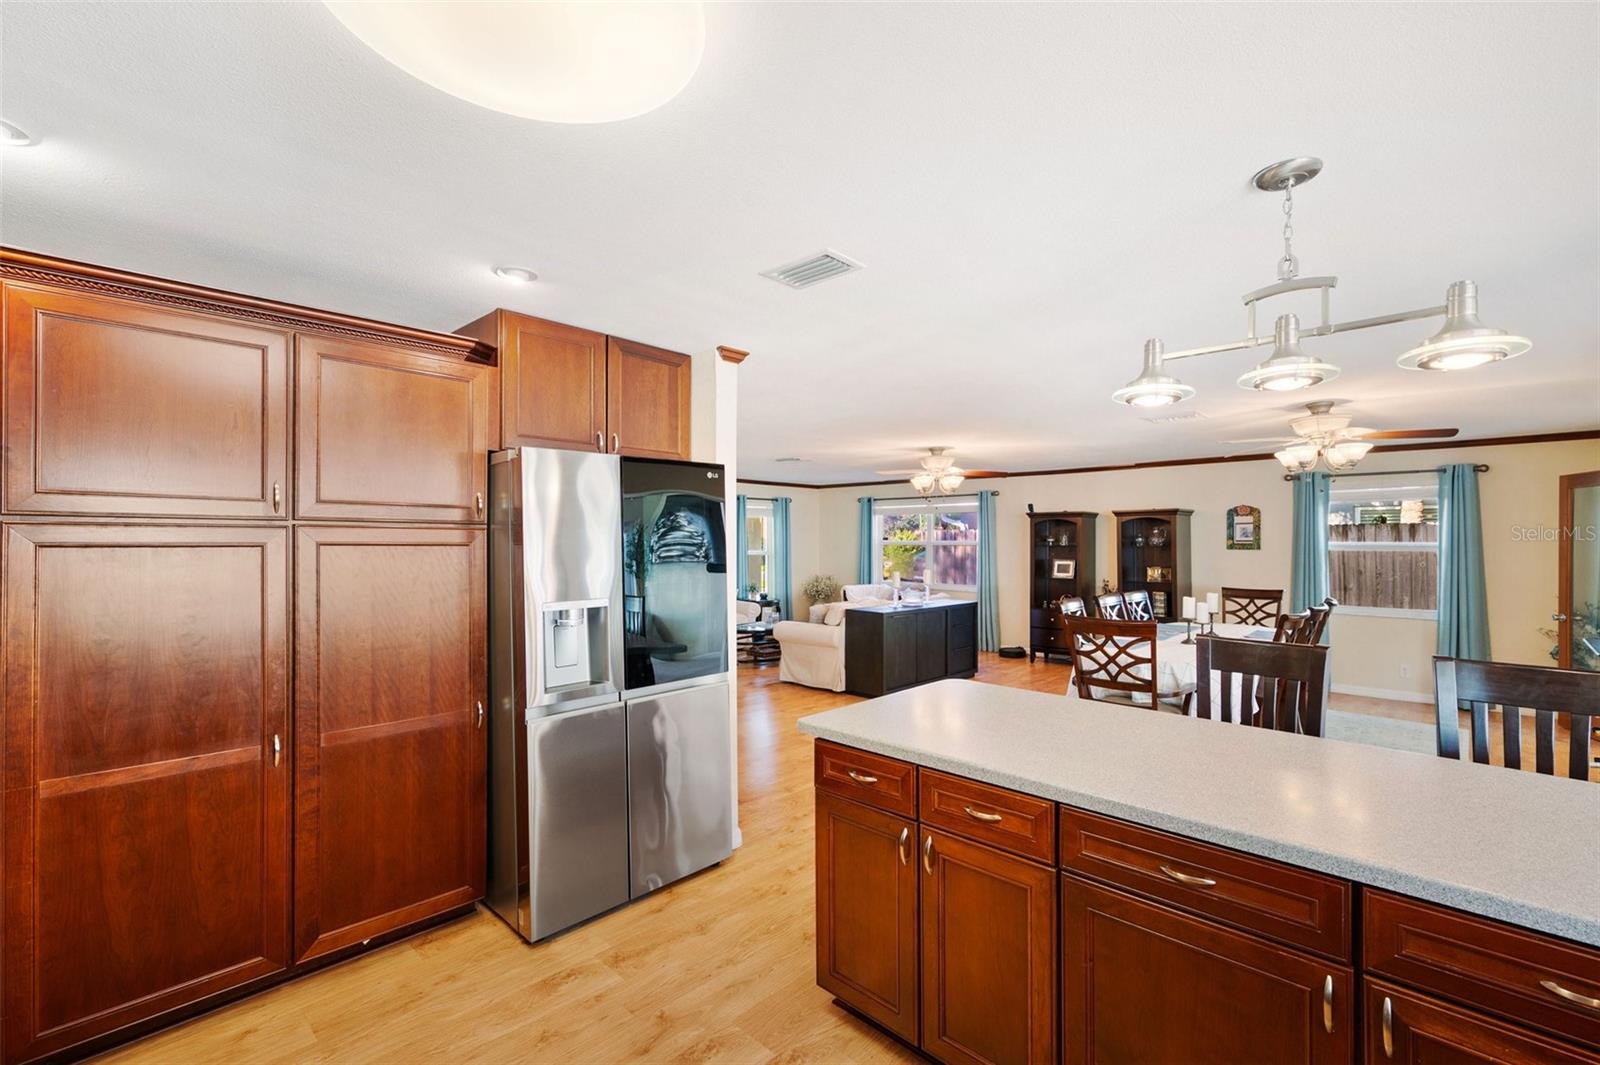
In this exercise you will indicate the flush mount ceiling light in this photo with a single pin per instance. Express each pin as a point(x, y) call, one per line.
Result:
point(13, 136)
point(518, 274)
point(555, 61)
point(1462, 342)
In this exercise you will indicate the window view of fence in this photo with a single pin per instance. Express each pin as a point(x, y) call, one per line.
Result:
point(1383, 545)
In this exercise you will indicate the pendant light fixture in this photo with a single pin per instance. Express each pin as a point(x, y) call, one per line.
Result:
point(1153, 387)
point(1462, 342)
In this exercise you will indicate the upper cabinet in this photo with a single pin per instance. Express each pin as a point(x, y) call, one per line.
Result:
point(117, 407)
point(565, 387)
point(387, 434)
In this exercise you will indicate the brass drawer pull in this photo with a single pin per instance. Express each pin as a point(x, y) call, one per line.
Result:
point(277, 749)
point(477, 501)
point(277, 497)
point(1388, 1027)
point(1571, 996)
point(860, 778)
point(979, 815)
point(1185, 878)
point(480, 714)
point(927, 856)
point(1327, 1003)
point(599, 440)
point(905, 837)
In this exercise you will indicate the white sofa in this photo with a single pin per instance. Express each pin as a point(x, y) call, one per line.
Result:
point(813, 650)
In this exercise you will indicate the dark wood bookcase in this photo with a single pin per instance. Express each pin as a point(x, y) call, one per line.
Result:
point(1149, 541)
point(1057, 536)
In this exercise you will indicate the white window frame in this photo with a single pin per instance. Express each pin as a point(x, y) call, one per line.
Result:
point(1432, 546)
point(931, 509)
point(762, 509)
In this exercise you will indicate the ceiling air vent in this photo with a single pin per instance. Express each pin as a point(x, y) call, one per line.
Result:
point(812, 270)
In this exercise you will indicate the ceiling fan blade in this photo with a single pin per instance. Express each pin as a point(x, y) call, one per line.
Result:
point(1410, 434)
point(1264, 440)
point(984, 473)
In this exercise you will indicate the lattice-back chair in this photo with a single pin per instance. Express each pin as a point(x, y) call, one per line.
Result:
point(1074, 607)
point(1292, 628)
point(1111, 606)
point(1572, 695)
point(1280, 686)
point(1112, 661)
point(1251, 606)
point(1138, 606)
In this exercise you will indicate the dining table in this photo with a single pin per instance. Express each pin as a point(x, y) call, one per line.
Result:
point(1176, 674)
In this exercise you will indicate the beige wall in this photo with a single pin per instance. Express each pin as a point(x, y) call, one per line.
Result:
point(1372, 655)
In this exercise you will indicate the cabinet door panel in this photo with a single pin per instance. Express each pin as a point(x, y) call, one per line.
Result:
point(553, 385)
point(1143, 983)
point(647, 400)
point(117, 408)
point(389, 748)
point(930, 644)
point(988, 954)
point(1425, 1031)
point(145, 822)
point(867, 911)
point(390, 435)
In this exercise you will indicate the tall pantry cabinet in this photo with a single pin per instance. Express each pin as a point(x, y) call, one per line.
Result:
point(241, 595)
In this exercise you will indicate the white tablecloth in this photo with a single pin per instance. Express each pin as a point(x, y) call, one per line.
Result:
point(1175, 667)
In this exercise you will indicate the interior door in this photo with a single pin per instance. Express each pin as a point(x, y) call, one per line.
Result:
point(1578, 608)
point(146, 778)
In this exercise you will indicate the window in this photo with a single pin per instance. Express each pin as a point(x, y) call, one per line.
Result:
point(934, 541)
point(1383, 544)
point(757, 580)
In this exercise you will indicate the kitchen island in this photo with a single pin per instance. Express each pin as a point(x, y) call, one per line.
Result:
point(1006, 875)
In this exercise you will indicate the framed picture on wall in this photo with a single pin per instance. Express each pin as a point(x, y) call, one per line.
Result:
point(1065, 568)
point(1244, 528)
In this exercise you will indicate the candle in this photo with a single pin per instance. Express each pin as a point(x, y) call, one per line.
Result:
point(1188, 607)
point(1203, 613)
point(1212, 604)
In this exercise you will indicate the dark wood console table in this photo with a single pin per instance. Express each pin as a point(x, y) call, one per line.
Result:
point(887, 648)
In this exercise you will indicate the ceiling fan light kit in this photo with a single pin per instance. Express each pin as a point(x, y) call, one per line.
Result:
point(939, 474)
point(1462, 342)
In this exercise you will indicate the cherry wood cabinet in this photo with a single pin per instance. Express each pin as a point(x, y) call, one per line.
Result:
point(146, 810)
point(647, 400)
point(988, 954)
point(1410, 1028)
point(561, 386)
point(390, 750)
point(867, 912)
point(388, 434)
point(1143, 983)
point(118, 407)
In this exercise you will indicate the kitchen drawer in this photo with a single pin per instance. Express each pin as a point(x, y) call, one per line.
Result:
point(887, 783)
point(1008, 820)
point(1293, 906)
point(1491, 966)
point(1420, 1029)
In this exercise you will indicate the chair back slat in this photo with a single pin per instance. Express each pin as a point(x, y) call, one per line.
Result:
point(1251, 606)
point(1111, 607)
point(1113, 656)
point(1555, 696)
point(1281, 685)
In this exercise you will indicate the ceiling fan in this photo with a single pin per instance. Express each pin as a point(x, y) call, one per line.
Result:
point(1321, 434)
point(938, 472)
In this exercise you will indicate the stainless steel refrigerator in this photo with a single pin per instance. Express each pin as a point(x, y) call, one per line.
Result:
point(611, 743)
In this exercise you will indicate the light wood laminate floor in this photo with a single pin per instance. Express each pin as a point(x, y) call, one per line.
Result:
point(718, 967)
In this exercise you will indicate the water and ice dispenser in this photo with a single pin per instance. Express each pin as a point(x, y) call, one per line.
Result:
point(573, 640)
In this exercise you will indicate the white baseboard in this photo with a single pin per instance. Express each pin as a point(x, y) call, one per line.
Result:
point(1396, 694)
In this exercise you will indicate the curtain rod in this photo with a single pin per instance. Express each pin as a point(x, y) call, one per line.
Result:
point(1481, 467)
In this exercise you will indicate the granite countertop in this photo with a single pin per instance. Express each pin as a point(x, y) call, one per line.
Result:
point(1509, 845)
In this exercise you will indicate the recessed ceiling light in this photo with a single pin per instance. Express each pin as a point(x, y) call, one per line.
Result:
point(13, 136)
point(517, 274)
point(561, 61)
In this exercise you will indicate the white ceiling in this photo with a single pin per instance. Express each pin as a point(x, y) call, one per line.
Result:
point(1034, 189)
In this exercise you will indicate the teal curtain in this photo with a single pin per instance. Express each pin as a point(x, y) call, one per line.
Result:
point(1308, 577)
point(782, 576)
point(1463, 598)
point(864, 574)
point(988, 584)
point(741, 550)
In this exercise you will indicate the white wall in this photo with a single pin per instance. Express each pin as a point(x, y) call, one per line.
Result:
point(1518, 494)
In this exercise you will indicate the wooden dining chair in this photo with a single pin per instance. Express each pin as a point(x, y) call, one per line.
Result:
point(1251, 606)
point(1572, 695)
point(1281, 686)
point(1112, 661)
point(1138, 606)
point(1111, 606)
point(1319, 619)
point(1306, 626)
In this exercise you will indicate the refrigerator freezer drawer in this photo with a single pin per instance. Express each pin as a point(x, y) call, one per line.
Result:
point(680, 784)
point(577, 818)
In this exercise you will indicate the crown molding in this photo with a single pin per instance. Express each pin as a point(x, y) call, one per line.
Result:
point(733, 355)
